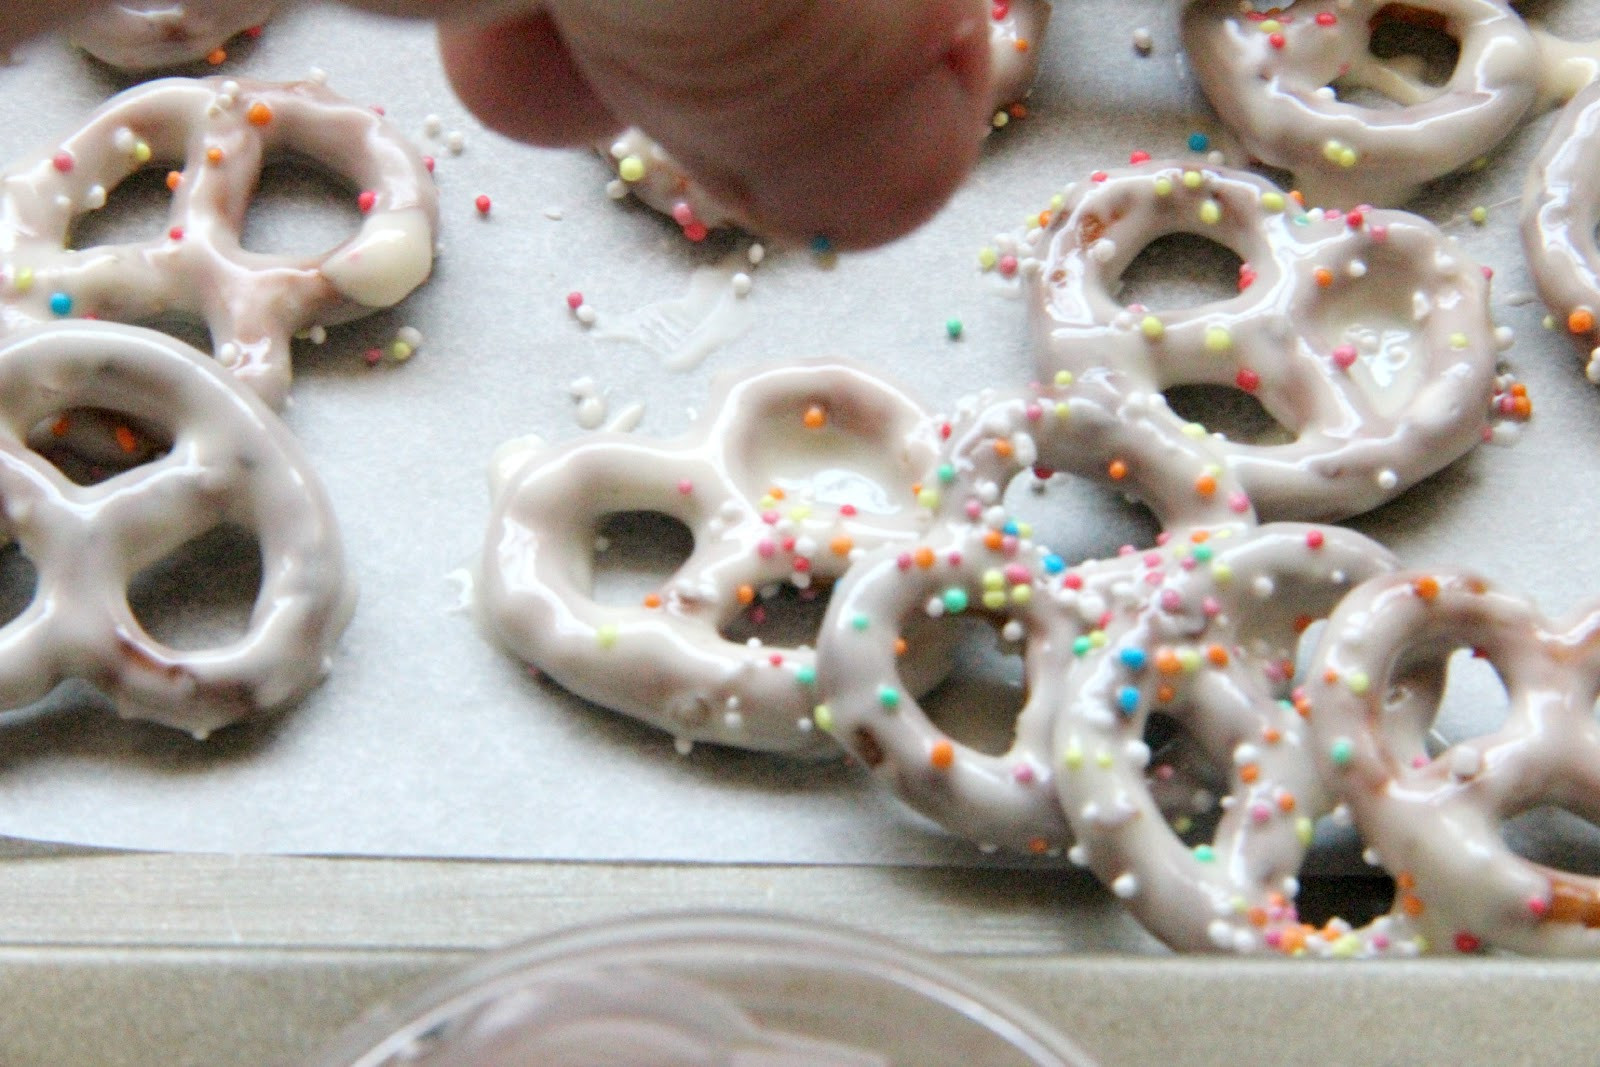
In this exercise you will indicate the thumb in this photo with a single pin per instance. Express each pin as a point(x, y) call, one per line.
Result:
point(848, 120)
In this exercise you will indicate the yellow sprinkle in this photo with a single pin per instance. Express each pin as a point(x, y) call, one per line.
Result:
point(1152, 328)
point(993, 580)
point(1222, 573)
point(1163, 186)
point(1000, 119)
point(1192, 179)
point(1022, 595)
point(631, 169)
point(1331, 151)
point(1480, 215)
point(1189, 660)
point(987, 259)
point(1102, 758)
point(1272, 202)
point(1357, 682)
point(1194, 431)
point(822, 715)
point(1271, 26)
point(994, 600)
point(1348, 158)
point(606, 636)
point(1458, 341)
point(1210, 213)
point(1072, 758)
point(1063, 378)
point(1057, 202)
point(141, 152)
point(1062, 410)
point(1098, 639)
point(400, 351)
point(928, 498)
point(1304, 829)
point(24, 279)
point(1218, 339)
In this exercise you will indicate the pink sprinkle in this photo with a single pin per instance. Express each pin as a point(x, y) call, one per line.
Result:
point(776, 659)
point(847, 510)
point(1163, 537)
point(1138, 156)
point(1379, 234)
point(767, 549)
point(1170, 600)
point(974, 509)
point(802, 565)
point(482, 204)
point(428, 161)
point(1008, 545)
point(1488, 273)
point(1098, 176)
point(1211, 606)
point(1355, 219)
point(685, 487)
point(1238, 503)
point(63, 162)
point(373, 356)
point(1260, 814)
point(1022, 774)
point(953, 558)
point(1538, 907)
point(758, 615)
point(1418, 762)
point(1017, 574)
point(1344, 357)
point(574, 300)
point(366, 200)
point(1380, 941)
point(682, 213)
point(1008, 266)
point(903, 561)
point(1153, 578)
point(1314, 539)
point(1034, 412)
point(1165, 772)
point(770, 518)
point(1152, 559)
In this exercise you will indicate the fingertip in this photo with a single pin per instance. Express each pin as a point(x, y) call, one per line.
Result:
point(519, 78)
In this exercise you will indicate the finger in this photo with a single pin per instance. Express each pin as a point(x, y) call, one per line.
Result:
point(816, 119)
point(519, 78)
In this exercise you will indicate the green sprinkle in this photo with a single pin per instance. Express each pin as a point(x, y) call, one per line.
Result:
point(806, 675)
point(1342, 751)
point(955, 601)
point(1205, 854)
point(860, 622)
point(947, 473)
point(1082, 645)
point(889, 697)
point(952, 328)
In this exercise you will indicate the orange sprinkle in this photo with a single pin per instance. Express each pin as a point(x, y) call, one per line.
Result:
point(1298, 197)
point(127, 440)
point(747, 594)
point(174, 179)
point(1272, 735)
point(1118, 470)
point(1406, 881)
point(1323, 276)
point(1004, 448)
point(1411, 905)
point(1022, 44)
point(213, 155)
point(1257, 916)
point(1519, 389)
point(61, 426)
point(1286, 803)
point(1044, 219)
point(652, 601)
point(1217, 655)
point(1426, 587)
point(1167, 661)
point(1292, 940)
point(1302, 623)
point(259, 114)
point(1477, 586)
point(1330, 676)
point(1249, 774)
point(1038, 846)
point(1521, 407)
point(841, 545)
point(923, 557)
point(1165, 694)
point(776, 492)
point(216, 57)
point(1200, 537)
point(1205, 485)
point(900, 646)
point(994, 540)
point(942, 755)
point(1580, 321)
point(815, 418)
point(1302, 705)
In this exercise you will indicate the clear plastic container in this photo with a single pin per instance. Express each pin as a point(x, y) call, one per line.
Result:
point(699, 990)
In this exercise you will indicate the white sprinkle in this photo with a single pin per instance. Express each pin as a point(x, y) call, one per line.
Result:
point(1078, 856)
point(1013, 631)
point(317, 75)
point(554, 214)
point(1126, 886)
point(1466, 762)
point(1387, 479)
point(741, 284)
point(409, 335)
point(616, 188)
point(582, 387)
point(757, 253)
point(95, 198)
point(586, 315)
point(1144, 41)
point(683, 745)
point(318, 334)
point(124, 140)
point(432, 125)
point(455, 142)
point(1356, 269)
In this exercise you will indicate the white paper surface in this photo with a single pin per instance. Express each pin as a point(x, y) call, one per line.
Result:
point(426, 740)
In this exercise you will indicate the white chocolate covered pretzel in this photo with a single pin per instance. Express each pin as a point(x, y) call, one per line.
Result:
point(217, 133)
point(791, 474)
point(1560, 209)
point(1274, 78)
point(1366, 335)
point(231, 461)
point(1213, 648)
point(648, 171)
point(152, 34)
point(1434, 823)
point(977, 559)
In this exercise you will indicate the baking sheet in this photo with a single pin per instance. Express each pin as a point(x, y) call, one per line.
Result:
point(426, 741)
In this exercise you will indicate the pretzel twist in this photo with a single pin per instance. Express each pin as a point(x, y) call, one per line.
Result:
point(151, 34)
point(1434, 821)
point(1274, 78)
point(220, 132)
point(793, 473)
point(1366, 336)
point(231, 462)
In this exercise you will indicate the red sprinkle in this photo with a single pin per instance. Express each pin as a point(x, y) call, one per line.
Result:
point(1248, 380)
point(428, 161)
point(176, 233)
point(1327, 18)
point(696, 231)
point(366, 200)
point(482, 204)
point(1139, 156)
point(1314, 539)
point(63, 162)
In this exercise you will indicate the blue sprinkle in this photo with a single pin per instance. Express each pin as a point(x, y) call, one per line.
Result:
point(821, 245)
point(1128, 699)
point(1199, 142)
point(1133, 658)
point(61, 304)
point(1054, 564)
point(1011, 529)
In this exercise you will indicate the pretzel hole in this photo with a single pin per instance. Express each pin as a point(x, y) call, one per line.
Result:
point(978, 702)
point(202, 594)
point(299, 208)
point(91, 445)
point(1554, 836)
point(1475, 703)
point(1185, 781)
point(1356, 900)
point(19, 581)
point(137, 210)
point(1233, 413)
point(1180, 270)
point(815, 451)
point(780, 616)
point(636, 553)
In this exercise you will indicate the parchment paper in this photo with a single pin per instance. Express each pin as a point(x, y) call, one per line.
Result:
point(426, 741)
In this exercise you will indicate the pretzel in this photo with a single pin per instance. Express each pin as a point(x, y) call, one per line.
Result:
point(648, 171)
point(791, 474)
point(1273, 79)
point(976, 558)
point(151, 34)
point(1560, 206)
point(220, 131)
point(1214, 648)
point(1434, 823)
point(1366, 335)
point(231, 462)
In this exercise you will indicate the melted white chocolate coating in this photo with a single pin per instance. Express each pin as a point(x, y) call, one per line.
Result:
point(217, 133)
point(231, 461)
point(1435, 822)
point(1560, 209)
point(648, 171)
point(1366, 335)
point(977, 559)
point(1273, 79)
point(151, 34)
point(791, 475)
point(1213, 646)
